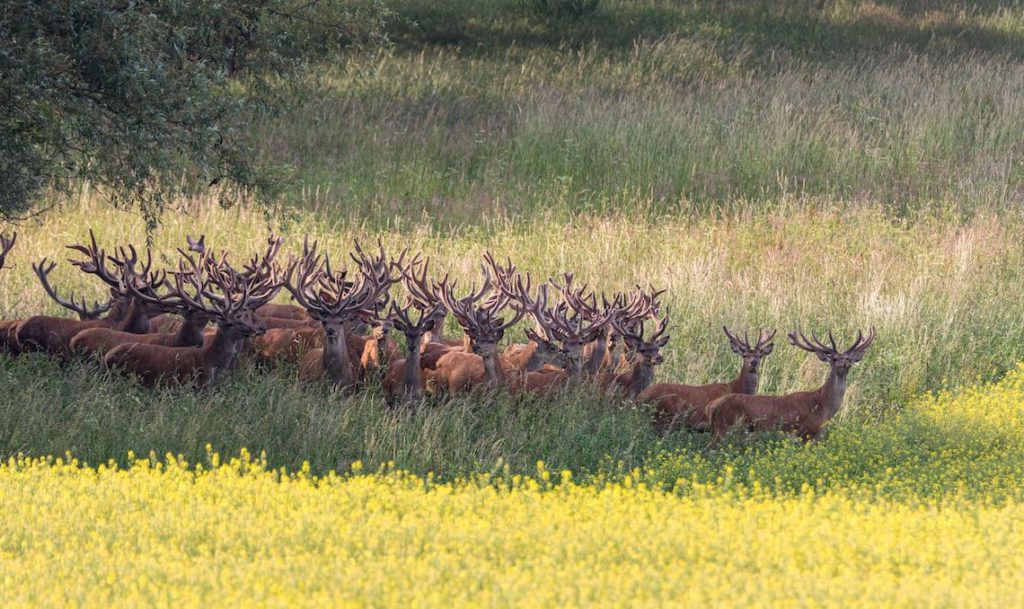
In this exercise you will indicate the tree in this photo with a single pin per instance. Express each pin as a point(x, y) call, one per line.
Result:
point(134, 94)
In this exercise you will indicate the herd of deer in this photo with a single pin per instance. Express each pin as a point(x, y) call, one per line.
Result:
point(155, 326)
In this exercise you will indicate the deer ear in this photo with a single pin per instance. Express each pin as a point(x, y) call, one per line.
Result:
point(823, 356)
point(661, 342)
point(736, 348)
point(768, 349)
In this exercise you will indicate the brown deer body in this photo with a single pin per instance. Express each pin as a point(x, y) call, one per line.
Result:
point(153, 363)
point(282, 311)
point(232, 309)
point(286, 344)
point(642, 355)
point(685, 404)
point(802, 413)
point(404, 380)
point(335, 302)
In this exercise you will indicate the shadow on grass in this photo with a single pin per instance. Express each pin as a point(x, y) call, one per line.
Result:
point(810, 28)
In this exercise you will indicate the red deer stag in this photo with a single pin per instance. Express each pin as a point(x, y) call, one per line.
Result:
point(461, 371)
point(803, 413)
point(220, 293)
point(685, 404)
point(404, 380)
point(641, 354)
point(53, 334)
point(333, 301)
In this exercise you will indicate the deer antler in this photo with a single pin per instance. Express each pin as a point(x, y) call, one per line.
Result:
point(763, 338)
point(96, 264)
point(480, 322)
point(42, 270)
point(861, 344)
point(334, 295)
point(798, 339)
point(258, 263)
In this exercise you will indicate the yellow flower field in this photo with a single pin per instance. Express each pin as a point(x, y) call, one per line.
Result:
point(163, 533)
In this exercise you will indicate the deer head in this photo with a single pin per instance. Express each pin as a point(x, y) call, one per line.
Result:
point(329, 296)
point(751, 354)
point(629, 324)
point(839, 361)
point(480, 321)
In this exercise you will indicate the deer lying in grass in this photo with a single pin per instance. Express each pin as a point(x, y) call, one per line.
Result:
point(404, 379)
point(334, 301)
point(224, 295)
point(685, 404)
point(461, 371)
point(803, 413)
point(54, 334)
point(641, 354)
point(189, 333)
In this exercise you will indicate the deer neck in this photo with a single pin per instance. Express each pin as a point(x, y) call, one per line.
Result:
point(831, 394)
point(335, 360)
point(746, 382)
point(493, 370)
point(136, 320)
point(190, 334)
point(220, 353)
point(371, 352)
point(643, 374)
point(597, 354)
point(435, 335)
point(411, 374)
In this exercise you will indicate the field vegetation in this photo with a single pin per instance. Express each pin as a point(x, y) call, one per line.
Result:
point(929, 522)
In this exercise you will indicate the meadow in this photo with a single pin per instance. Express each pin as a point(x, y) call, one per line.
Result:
point(838, 164)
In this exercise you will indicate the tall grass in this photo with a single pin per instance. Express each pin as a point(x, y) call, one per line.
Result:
point(936, 288)
point(708, 104)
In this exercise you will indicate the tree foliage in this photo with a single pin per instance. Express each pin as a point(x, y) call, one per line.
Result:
point(150, 96)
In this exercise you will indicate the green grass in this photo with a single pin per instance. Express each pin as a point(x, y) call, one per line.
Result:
point(481, 111)
point(937, 288)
